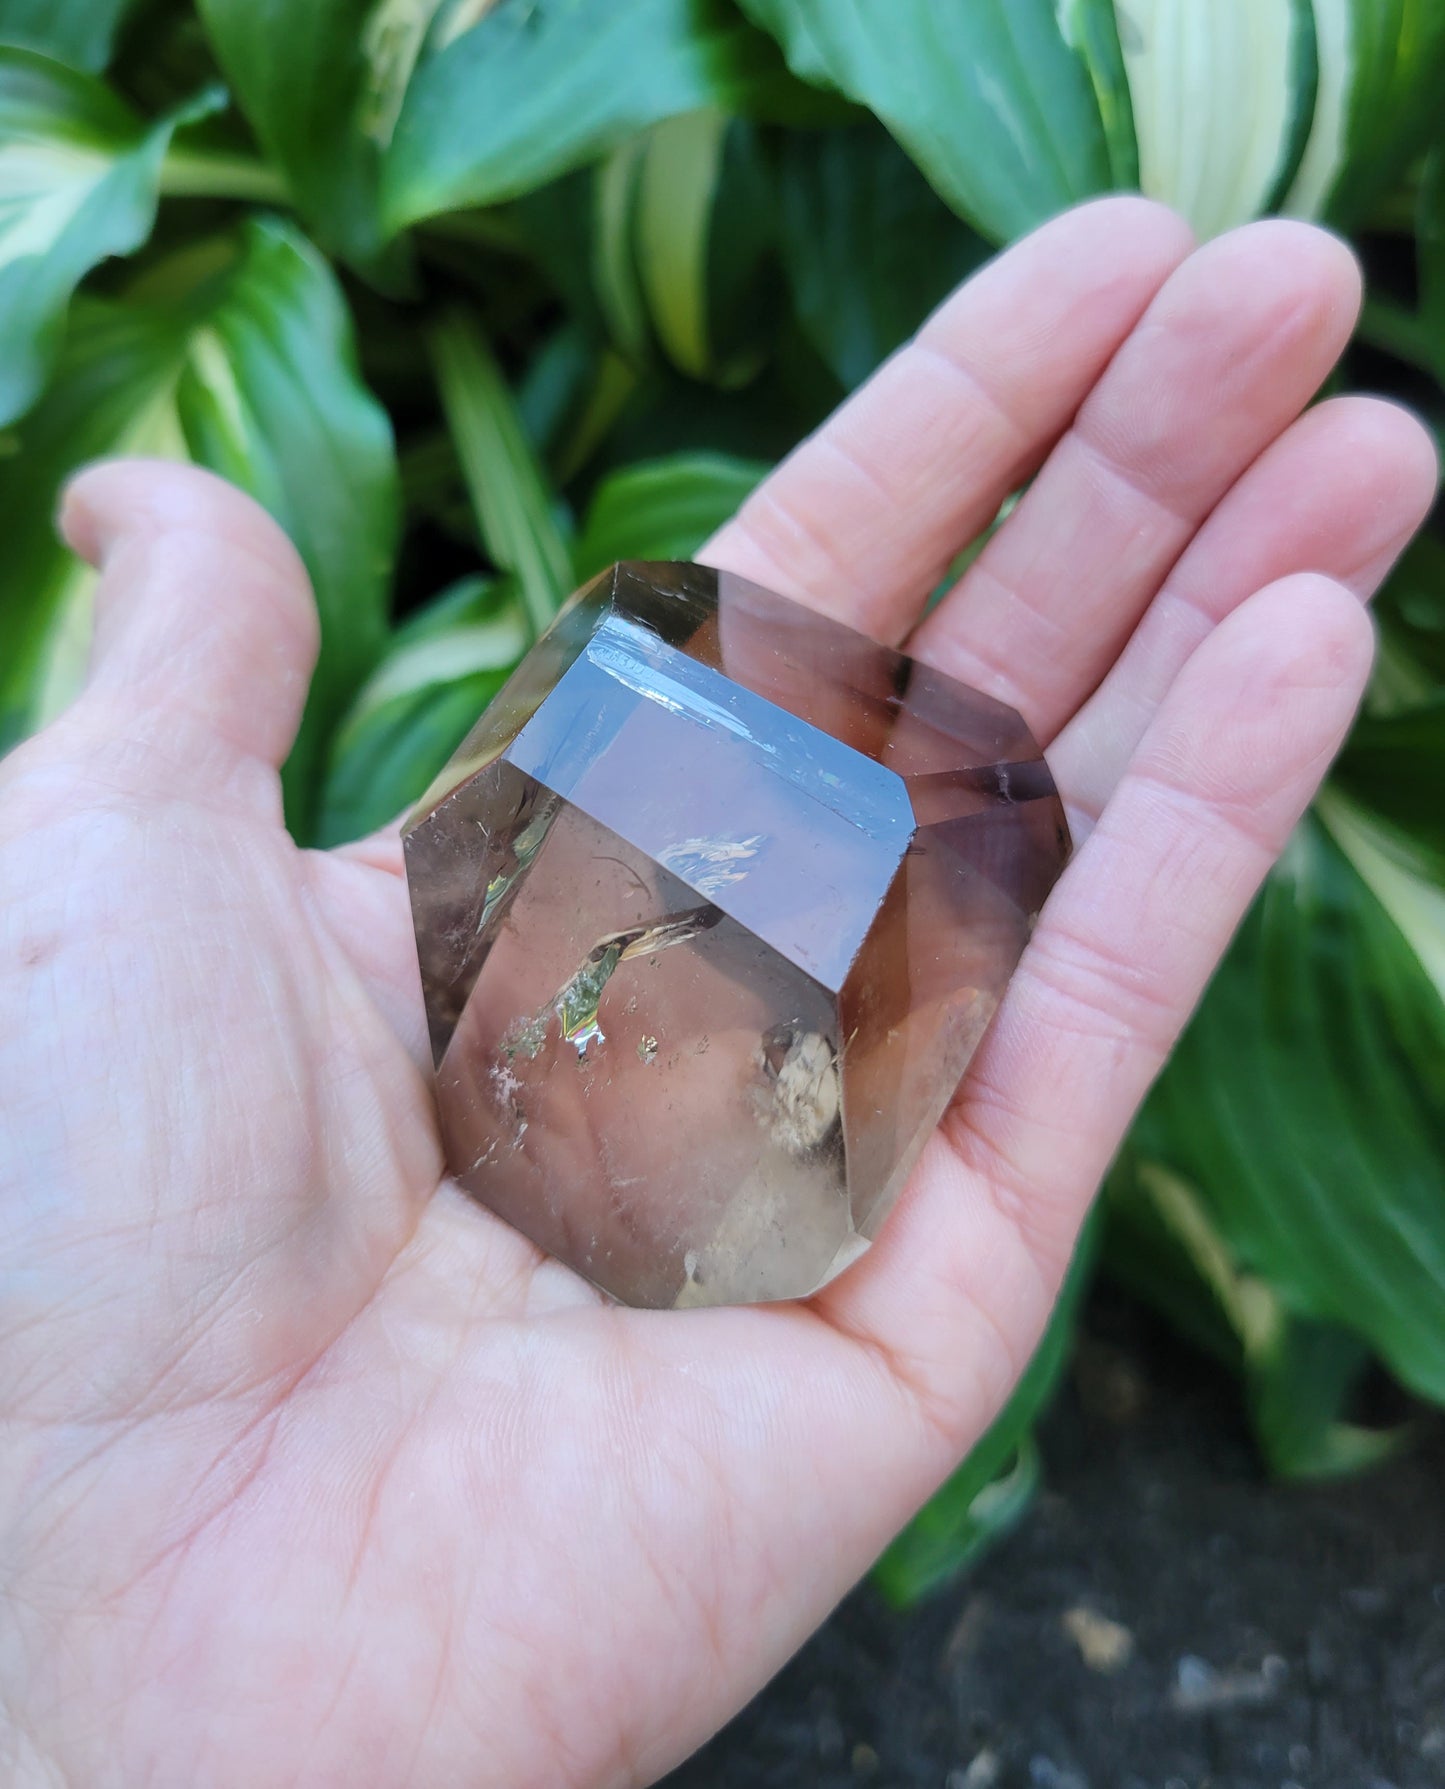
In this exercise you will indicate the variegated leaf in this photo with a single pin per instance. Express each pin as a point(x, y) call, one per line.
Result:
point(1223, 96)
point(241, 359)
point(79, 181)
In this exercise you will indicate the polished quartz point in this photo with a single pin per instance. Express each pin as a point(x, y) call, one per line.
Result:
point(712, 908)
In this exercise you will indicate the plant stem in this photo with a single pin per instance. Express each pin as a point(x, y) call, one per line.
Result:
point(209, 174)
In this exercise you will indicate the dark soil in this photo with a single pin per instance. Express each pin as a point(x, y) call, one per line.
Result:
point(1275, 1635)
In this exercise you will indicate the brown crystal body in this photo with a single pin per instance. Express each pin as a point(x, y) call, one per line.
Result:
point(712, 908)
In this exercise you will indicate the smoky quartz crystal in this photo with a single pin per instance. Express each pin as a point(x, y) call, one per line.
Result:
point(712, 908)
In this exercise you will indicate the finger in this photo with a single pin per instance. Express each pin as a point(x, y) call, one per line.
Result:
point(205, 628)
point(863, 518)
point(1341, 492)
point(959, 1282)
point(1228, 354)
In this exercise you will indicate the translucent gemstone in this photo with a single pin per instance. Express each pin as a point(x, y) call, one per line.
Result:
point(712, 908)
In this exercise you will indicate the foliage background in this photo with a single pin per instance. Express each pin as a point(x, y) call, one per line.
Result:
point(477, 296)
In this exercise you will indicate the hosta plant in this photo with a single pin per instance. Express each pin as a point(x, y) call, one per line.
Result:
point(477, 296)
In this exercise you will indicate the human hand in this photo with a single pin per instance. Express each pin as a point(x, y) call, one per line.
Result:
point(315, 1472)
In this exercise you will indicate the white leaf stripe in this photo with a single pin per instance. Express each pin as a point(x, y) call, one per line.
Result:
point(465, 651)
point(1415, 904)
point(1218, 90)
point(678, 181)
point(1325, 151)
point(42, 187)
point(79, 181)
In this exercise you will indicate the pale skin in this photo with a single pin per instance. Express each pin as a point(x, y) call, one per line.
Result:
point(315, 1474)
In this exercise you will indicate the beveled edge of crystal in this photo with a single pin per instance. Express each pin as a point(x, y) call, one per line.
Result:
point(689, 584)
point(504, 717)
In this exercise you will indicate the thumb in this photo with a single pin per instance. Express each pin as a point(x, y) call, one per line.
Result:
point(205, 627)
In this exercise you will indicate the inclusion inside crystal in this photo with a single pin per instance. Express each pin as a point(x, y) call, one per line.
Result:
point(712, 908)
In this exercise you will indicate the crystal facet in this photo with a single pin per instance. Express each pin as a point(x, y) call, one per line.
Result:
point(712, 908)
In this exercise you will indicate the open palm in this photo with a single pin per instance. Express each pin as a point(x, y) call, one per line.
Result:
point(314, 1472)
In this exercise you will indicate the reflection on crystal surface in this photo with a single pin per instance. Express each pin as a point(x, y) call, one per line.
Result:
point(712, 909)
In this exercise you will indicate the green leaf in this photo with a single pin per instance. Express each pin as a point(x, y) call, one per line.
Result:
point(578, 230)
point(248, 367)
point(1325, 147)
point(1394, 766)
point(667, 245)
point(1160, 1242)
point(443, 667)
point(668, 414)
point(663, 509)
point(703, 245)
point(1223, 96)
point(1298, 1404)
point(1396, 864)
point(1163, 1242)
point(743, 307)
point(558, 389)
point(1306, 1102)
point(111, 394)
point(271, 398)
point(300, 72)
point(543, 86)
point(995, 106)
point(608, 391)
point(995, 1484)
point(680, 170)
point(513, 505)
point(1410, 611)
point(1091, 27)
point(1430, 257)
point(80, 33)
point(1381, 67)
point(617, 284)
point(868, 246)
point(79, 180)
